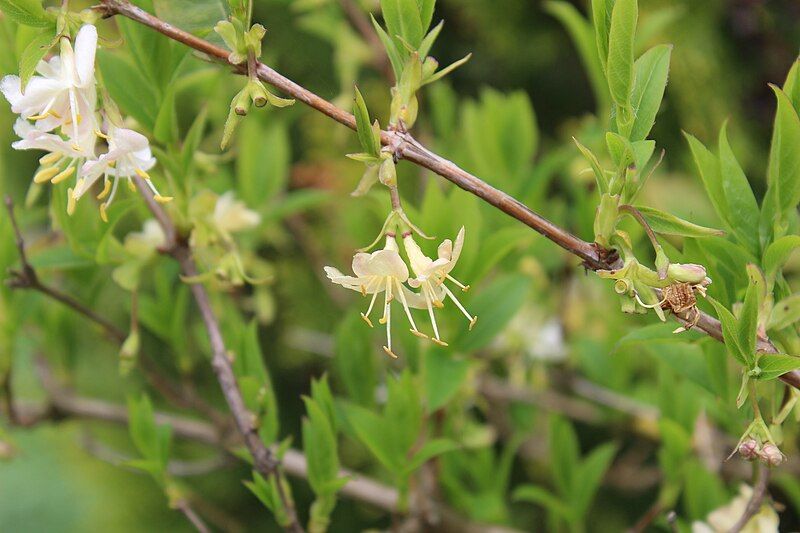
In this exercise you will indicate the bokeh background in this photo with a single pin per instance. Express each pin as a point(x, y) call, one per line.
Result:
point(508, 115)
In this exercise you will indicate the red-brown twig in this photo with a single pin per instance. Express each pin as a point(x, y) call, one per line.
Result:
point(404, 146)
point(756, 499)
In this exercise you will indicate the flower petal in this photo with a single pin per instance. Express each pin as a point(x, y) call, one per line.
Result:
point(85, 48)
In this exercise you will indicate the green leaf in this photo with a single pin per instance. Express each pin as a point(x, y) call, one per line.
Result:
point(534, 494)
point(739, 195)
point(403, 414)
point(369, 143)
point(589, 474)
point(748, 317)
point(776, 256)
point(371, 429)
point(152, 440)
point(32, 54)
point(432, 448)
point(27, 12)
point(564, 454)
point(774, 366)
point(266, 490)
point(165, 128)
point(395, 56)
point(355, 361)
point(709, 168)
point(785, 313)
point(668, 224)
point(651, 72)
point(403, 19)
point(601, 18)
point(119, 76)
point(730, 329)
point(257, 390)
point(784, 159)
point(495, 306)
point(191, 143)
point(194, 16)
point(620, 51)
point(600, 176)
point(319, 445)
point(426, 8)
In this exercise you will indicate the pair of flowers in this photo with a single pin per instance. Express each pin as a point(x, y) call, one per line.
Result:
point(58, 114)
point(384, 271)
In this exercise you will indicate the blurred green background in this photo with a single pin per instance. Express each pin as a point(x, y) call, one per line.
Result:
point(524, 71)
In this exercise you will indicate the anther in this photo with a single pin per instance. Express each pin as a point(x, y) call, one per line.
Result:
point(103, 214)
point(367, 320)
point(473, 322)
point(70, 202)
point(64, 174)
point(389, 352)
point(106, 190)
point(440, 342)
point(49, 159)
point(419, 334)
point(142, 174)
point(45, 174)
point(162, 199)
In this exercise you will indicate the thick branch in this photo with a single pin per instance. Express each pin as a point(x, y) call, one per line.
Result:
point(404, 145)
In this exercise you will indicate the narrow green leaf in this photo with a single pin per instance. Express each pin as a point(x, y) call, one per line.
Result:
point(426, 8)
point(784, 159)
point(668, 224)
point(444, 373)
point(396, 58)
point(32, 54)
point(432, 448)
point(402, 19)
point(651, 72)
point(589, 475)
point(564, 454)
point(730, 329)
point(738, 195)
point(748, 317)
point(195, 16)
point(319, 445)
point(601, 18)
point(620, 51)
point(777, 254)
point(369, 143)
point(534, 494)
point(599, 174)
point(709, 169)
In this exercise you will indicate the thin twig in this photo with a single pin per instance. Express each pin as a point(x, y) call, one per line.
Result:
point(184, 507)
point(27, 278)
point(756, 499)
point(406, 147)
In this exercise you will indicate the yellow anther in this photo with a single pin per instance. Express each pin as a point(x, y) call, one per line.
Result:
point(367, 320)
point(49, 159)
point(142, 174)
point(103, 213)
point(100, 134)
point(472, 322)
point(70, 202)
point(46, 174)
point(465, 288)
point(131, 186)
point(53, 114)
point(419, 334)
point(382, 320)
point(389, 352)
point(76, 147)
point(106, 190)
point(112, 164)
point(162, 199)
point(438, 303)
point(38, 117)
point(439, 342)
point(363, 291)
point(64, 174)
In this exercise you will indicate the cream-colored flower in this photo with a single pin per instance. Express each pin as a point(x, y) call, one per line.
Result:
point(381, 271)
point(724, 518)
point(128, 155)
point(64, 159)
point(431, 275)
point(64, 94)
point(231, 215)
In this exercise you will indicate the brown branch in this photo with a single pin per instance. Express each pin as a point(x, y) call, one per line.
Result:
point(405, 146)
point(756, 499)
point(27, 278)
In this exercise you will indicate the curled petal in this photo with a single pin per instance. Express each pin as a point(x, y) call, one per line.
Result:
point(85, 48)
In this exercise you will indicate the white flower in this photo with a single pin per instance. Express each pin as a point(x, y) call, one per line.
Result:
point(431, 275)
point(381, 271)
point(64, 158)
point(231, 215)
point(725, 518)
point(64, 95)
point(128, 155)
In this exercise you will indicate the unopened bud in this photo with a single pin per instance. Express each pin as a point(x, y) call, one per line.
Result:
point(387, 173)
point(429, 67)
point(771, 455)
point(686, 273)
point(748, 449)
point(129, 352)
point(241, 102)
point(622, 286)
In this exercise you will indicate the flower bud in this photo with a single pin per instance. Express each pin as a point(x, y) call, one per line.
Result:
point(771, 455)
point(129, 352)
point(387, 173)
point(686, 273)
point(622, 286)
point(241, 102)
point(429, 67)
point(748, 449)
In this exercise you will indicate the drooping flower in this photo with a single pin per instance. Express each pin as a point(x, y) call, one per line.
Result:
point(431, 275)
point(64, 159)
point(64, 93)
point(231, 215)
point(128, 155)
point(381, 271)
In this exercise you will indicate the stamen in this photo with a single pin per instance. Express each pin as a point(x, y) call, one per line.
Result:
point(388, 314)
point(369, 309)
point(142, 174)
point(70, 201)
point(436, 338)
point(101, 134)
point(73, 108)
point(103, 214)
point(387, 302)
point(414, 329)
point(389, 352)
point(106, 189)
point(64, 174)
point(131, 186)
point(162, 199)
point(463, 287)
point(50, 159)
point(367, 320)
point(45, 174)
point(472, 319)
point(38, 117)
